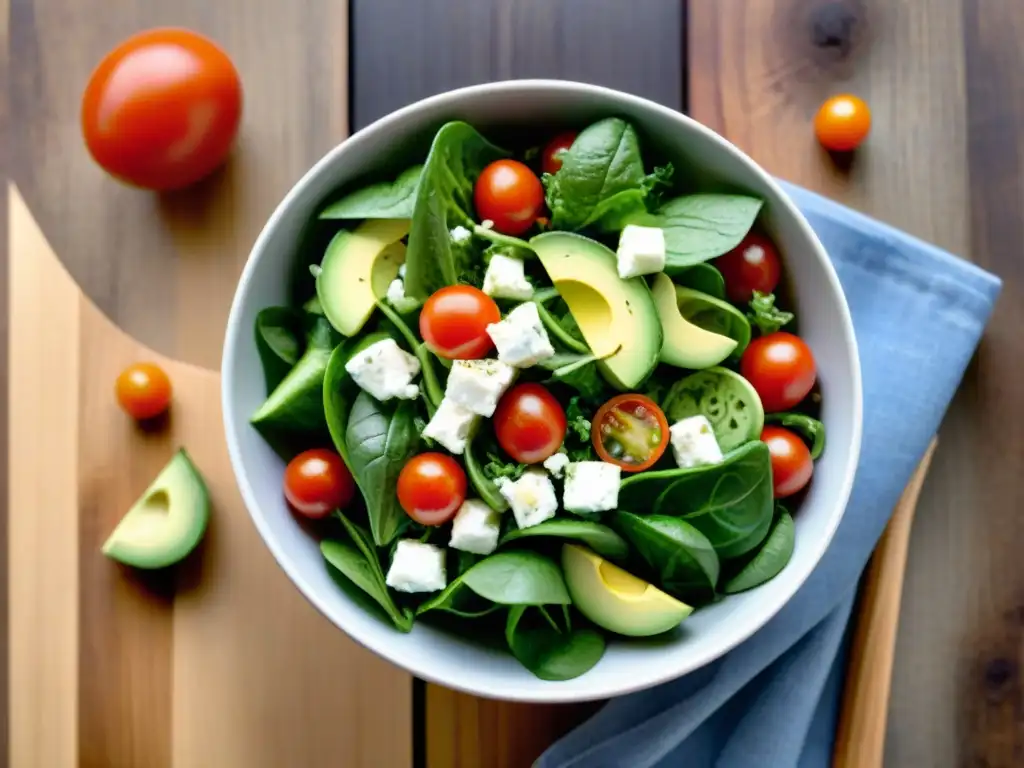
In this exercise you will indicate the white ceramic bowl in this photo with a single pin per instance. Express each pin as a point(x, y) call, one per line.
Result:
point(456, 661)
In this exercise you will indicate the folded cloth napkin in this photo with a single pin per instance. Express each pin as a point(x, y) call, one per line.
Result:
point(773, 700)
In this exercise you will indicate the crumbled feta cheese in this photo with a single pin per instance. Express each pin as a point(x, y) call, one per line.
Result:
point(396, 292)
point(532, 497)
point(556, 464)
point(401, 271)
point(477, 385)
point(693, 442)
point(591, 486)
point(506, 279)
point(520, 338)
point(385, 370)
point(417, 567)
point(641, 251)
point(451, 425)
point(460, 234)
point(475, 528)
point(487, 224)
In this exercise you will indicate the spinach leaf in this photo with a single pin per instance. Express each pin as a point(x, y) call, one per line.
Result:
point(683, 559)
point(701, 227)
point(432, 387)
point(602, 175)
point(577, 371)
point(730, 503)
point(359, 564)
point(765, 315)
point(379, 439)
point(279, 342)
point(812, 430)
point(701, 277)
point(599, 538)
point(563, 335)
point(769, 561)
point(506, 244)
point(548, 653)
point(313, 306)
point(444, 198)
point(384, 200)
point(482, 484)
point(340, 391)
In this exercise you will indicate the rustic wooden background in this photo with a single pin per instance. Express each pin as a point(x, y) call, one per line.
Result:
point(125, 273)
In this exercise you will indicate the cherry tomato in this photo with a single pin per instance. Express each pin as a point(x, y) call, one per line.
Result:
point(780, 367)
point(753, 265)
point(842, 123)
point(792, 466)
point(529, 423)
point(551, 157)
point(162, 108)
point(143, 390)
point(509, 194)
point(454, 322)
point(431, 488)
point(630, 431)
point(317, 482)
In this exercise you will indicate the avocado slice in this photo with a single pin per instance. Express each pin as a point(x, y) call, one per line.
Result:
point(687, 344)
point(357, 269)
point(617, 317)
point(166, 522)
point(616, 600)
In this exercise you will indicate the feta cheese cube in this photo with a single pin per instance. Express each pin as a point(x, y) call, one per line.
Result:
point(641, 251)
point(475, 528)
point(417, 567)
point(506, 279)
point(556, 464)
point(693, 442)
point(401, 271)
point(591, 486)
point(452, 425)
point(460, 234)
point(385, 370)
point(396, 291)
point(520, 338)
point(532, 497)
point(477, 385)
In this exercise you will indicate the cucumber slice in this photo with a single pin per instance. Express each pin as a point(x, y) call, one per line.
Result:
point(725, 398)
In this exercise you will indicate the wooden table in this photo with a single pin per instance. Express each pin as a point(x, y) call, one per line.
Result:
point(228, 666)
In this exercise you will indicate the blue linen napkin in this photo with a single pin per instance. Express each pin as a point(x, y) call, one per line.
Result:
point(773, 701)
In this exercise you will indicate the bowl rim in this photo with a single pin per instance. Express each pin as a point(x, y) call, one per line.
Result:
point(543, 692)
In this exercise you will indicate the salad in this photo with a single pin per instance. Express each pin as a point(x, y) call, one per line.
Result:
point(541, 398)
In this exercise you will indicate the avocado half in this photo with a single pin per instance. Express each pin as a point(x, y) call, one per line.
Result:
point(357, 269)
point(615, 599)
point(617, 317)
point(166, 522)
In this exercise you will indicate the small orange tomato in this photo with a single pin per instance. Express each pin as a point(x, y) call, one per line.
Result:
point(143, 390)
point(842, 123)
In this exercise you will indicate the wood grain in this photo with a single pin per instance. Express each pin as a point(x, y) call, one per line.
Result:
point(221, 663)
point(860, 736)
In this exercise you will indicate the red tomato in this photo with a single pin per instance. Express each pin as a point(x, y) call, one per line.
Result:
point(509, 194)
point(551, 157)
point(792, 466)
point(781, 368)
point(143, 390)
point(161, 110)
point(431, 488)
point(842, 123)
point(753, 265)
point(630, 431)
point(316, 482)
point(454, 322)
point(529, 423)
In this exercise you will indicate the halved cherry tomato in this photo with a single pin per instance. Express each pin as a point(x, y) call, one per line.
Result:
point(753, 265)
point(162, 108)
point(316, 482)
point(551, 157)
point(454, 322)
point(780, 367)
point(631, 431)
point(509, 194)
point(529, 423)
point(143, 390)
point(792, 466)
point(842, 123)
point(431, 488)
